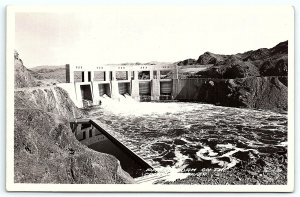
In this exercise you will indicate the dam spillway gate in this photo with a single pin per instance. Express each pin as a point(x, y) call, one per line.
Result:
point(89, 133)
point(87, 85)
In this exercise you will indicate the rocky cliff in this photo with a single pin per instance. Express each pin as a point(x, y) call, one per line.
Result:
point(50, 99)
point(186, 62)
point(23, 77)
point(252, 92)
point(253, 79)
point(260, 62)
point(45, 149)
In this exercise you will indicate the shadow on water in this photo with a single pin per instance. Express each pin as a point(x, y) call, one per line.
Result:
point(93, 136)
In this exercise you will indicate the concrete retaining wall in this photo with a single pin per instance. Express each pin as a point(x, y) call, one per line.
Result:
point(101, 139)
point(188, 89)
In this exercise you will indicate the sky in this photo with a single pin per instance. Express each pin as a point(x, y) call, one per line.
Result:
point(116, 34)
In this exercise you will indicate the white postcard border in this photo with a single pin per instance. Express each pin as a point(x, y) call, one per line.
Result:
point(11, 186)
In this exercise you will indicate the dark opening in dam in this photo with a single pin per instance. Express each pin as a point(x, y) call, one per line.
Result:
point(96, 138)
point(165, 90)
point(124, 88)
point(86, 92)
point(104, 89)
point(145, 90)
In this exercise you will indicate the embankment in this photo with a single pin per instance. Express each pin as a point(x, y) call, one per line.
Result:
point(45, 149)
point(253, 92)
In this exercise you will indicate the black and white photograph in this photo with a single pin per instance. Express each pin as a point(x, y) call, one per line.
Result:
point(150, 98)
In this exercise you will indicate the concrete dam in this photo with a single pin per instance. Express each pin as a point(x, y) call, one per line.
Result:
point(87, 85)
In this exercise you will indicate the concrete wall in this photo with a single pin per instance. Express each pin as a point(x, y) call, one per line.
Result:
point(103, 141)
point(114, 89)
point(183, 89)
point(155, 89)
point(187, 89)
point(75, 93)
point(201, 90)
point(135, 89)
point(92, 140)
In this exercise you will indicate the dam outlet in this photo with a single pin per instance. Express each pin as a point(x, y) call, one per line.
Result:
point(124, 88)
point(104, 89)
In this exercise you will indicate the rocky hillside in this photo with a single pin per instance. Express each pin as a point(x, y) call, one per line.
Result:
point(49, 99)
point(186, 62)
point(254, 79)
point(51, 74)
point(23, 77)
point(45, 149)
point(261, 62)
point(252, 92)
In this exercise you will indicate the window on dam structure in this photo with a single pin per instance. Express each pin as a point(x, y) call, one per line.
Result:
point(144, 75)
point(99, 76)
point(166, 74)
point(86, 92)
point(78, 76)
point(121, 75)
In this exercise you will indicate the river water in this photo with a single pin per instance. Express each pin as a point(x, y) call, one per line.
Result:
point(189, 137)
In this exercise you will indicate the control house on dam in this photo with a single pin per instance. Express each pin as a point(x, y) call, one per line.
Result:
point(87, 85)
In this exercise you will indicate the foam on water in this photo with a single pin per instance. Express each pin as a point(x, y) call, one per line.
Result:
point(127, 106)
point(179, 136)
